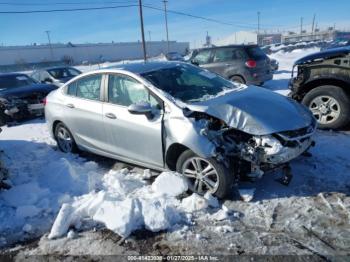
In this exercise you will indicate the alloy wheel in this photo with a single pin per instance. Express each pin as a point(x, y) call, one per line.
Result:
point(202, 175)
point(325, 109)
point(64, 140)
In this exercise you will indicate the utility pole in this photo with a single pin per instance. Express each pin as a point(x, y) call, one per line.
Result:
point(142, 32)
point(301, 25)
point(258, 28)
point(166, 23)
point(258, 23)
point(313, 24)
point(149, 43)
point(48, 37)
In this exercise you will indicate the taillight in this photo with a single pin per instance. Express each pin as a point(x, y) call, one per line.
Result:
point(44, 101)
point(250, 63)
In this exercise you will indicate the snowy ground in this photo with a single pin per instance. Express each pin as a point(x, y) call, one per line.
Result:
point(311, 216)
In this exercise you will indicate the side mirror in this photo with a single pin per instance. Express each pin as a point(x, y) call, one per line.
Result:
point(194, 62)
point(141, 108)
point(47, 80)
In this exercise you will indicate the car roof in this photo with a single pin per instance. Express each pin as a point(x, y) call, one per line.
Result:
point(53, 67)
point(12, 74)
point(226, 46)
point(326, 54)
point(143, 67)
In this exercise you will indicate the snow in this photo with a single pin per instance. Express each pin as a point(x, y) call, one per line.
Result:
point(194, 203)
point(125, 203)
point(170, 184)
point(58, 193)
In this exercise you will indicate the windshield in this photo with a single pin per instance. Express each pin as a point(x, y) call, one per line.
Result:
point(12, 81)
point(59, 73)
point(189, 83)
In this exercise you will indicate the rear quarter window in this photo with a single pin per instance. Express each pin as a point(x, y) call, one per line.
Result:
point(256, 53)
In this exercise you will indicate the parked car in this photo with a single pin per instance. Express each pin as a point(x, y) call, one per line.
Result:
point(174, 56)
point(55, 75)
point(322, 83)
point(21, 97)
point(246, 64)
point(336, 44)
point(176, 116)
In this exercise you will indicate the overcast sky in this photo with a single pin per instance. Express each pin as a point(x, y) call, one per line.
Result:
point(122, 24)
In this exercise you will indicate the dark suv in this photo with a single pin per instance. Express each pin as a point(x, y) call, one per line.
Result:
point(246, 64)
point(322, 83)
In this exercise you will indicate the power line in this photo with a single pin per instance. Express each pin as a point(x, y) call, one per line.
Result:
point(66, 9)
point(67, 3)
point(241, 25)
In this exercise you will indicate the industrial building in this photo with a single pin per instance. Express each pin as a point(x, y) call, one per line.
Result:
point(85, 53)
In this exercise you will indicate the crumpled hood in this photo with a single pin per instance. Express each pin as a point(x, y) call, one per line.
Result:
point(256, 111)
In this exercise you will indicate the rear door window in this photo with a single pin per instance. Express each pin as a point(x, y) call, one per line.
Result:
point(88, 87)
point(228, 54)
point(256, 53)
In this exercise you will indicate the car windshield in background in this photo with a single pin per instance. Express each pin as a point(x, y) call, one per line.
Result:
point(188, 83)
point(59, 73)
point(12, 81)
point(256, 53)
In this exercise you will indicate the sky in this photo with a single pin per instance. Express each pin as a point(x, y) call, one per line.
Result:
point(123, 24)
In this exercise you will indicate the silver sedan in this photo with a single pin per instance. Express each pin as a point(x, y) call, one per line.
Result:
point(176, 116)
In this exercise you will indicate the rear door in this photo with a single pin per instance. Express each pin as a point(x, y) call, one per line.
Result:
point(131, 136)
point(83, 111)
point(228, 61)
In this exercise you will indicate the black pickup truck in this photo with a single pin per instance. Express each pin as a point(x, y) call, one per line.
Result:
point(322, 83)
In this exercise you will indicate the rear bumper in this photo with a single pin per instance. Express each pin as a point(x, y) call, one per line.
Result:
point(256, 78)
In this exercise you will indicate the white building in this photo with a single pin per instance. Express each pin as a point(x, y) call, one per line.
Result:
point(241, 37)
point(91, 53)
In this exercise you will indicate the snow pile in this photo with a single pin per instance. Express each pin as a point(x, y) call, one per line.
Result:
point(125, 204)
point(170, 184)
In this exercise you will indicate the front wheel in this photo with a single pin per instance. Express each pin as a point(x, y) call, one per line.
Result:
point(330, 105)
point(65, 140)
point(205, 175)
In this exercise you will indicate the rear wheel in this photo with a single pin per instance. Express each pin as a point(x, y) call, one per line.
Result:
point(330, 105)
point(65, 140)
point(205, 175)
point(237, 79)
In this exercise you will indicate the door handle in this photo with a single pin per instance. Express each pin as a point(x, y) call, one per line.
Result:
point(110, 115)
point(70, 105)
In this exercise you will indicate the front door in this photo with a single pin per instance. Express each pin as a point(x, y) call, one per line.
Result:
point(131, 136)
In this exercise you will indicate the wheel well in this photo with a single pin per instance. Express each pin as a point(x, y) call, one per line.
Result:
point(322, 82)
point(172, 155)
point(54, 126)
point(239, 76)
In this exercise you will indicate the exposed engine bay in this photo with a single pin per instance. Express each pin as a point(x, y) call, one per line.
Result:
point(252, 155)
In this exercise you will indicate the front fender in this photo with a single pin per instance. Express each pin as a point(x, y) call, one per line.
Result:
point(186, 132)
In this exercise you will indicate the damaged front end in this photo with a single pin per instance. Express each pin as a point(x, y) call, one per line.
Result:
point(252, 155)
point(14, 109)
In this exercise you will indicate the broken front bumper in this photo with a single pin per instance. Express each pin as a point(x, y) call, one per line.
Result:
point(286, 154)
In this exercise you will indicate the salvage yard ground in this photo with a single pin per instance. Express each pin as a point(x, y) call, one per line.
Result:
point(311, 216)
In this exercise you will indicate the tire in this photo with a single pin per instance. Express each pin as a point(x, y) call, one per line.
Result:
point(330, 105)
point(237, 79)
point(62, 131)
point(224, 178)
